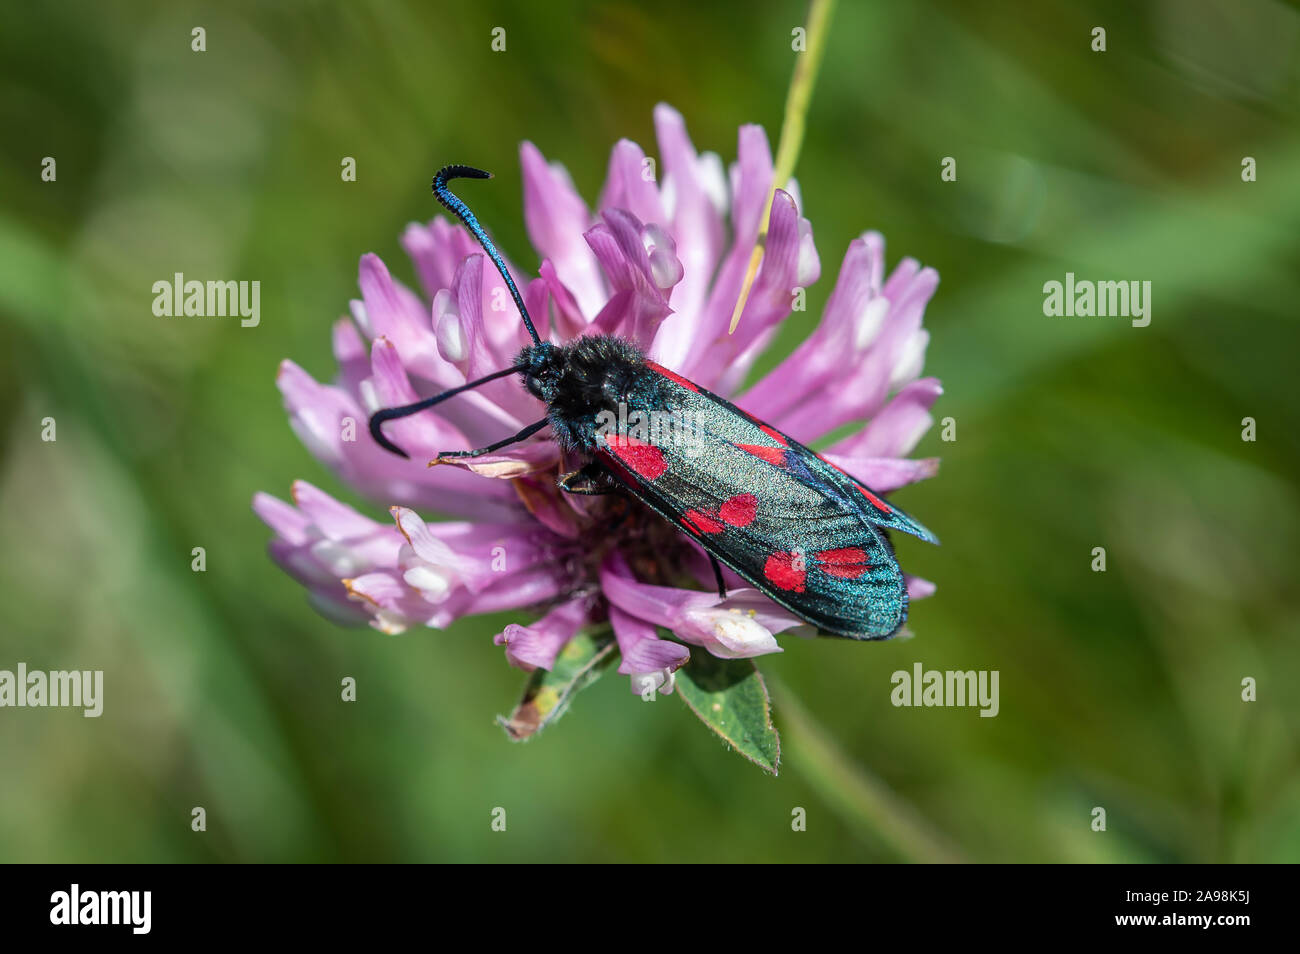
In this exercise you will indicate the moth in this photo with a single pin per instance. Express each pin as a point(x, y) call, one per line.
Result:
point(805, 533)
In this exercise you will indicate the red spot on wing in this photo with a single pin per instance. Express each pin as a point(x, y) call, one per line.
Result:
point(786, 571)
point(740, 510)
point(773, 455)
point(875, 501)
point(673, 376)
point(846, 563)
point(644, 459)
point(701, 522)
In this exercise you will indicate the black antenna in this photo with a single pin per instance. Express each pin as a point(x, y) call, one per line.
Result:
point(458, 208)
point(392, 413)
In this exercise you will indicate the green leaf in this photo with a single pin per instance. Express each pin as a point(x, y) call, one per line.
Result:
point(547, 694)
point(729, 696)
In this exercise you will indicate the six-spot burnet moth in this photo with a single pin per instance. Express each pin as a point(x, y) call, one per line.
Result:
point(805, 533)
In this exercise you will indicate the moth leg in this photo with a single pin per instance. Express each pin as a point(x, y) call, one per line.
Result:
point(717, 573)
point(526, 433)
point(592, 480)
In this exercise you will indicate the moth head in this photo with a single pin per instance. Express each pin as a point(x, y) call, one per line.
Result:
point(543, 365)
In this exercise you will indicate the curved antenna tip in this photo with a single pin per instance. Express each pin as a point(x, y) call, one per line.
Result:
point(376, 431)
point(457, 207)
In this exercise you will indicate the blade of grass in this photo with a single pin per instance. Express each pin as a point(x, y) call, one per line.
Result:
point(859, 797)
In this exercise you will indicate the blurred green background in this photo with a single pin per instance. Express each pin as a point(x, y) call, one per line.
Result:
point(1119, 689)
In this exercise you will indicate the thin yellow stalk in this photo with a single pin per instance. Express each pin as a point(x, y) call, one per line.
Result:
point(792, 126)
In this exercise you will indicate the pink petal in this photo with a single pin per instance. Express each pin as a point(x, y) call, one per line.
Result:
point(659, 605)
point(697, 227)
point(789, 262)
point(299, 563)
point(641, 647)
point(350, 353)
point(518, 460)
point(335, 605)
point(336, 520)
point(481, 357)
point(422, 540)
point(754, 604)
point(425, 435)
point(741, 625)
point(394, 313)
point(467, 293)
point(569, 320)
point(502, 325)
point(393, 606)
point(536, 646)
point(751, 178)
point(845, 329)
point(529, 587)
point(283, 518)
point(317, 412)
point(537, 295)
point(771, 295)
point(918, 588)
point(421, 435)
point(644, 655)
point(556, 218)
point(617, 244)
point(625, 186)
point(885, 474)
point(322, 416)
point(899, 426)
point(437, 249)
point(864, 386)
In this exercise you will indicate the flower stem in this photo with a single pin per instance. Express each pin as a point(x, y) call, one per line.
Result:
point(860, 798)
point(792, 126)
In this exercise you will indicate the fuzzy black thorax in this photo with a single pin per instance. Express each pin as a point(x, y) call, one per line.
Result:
point(580, 379)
